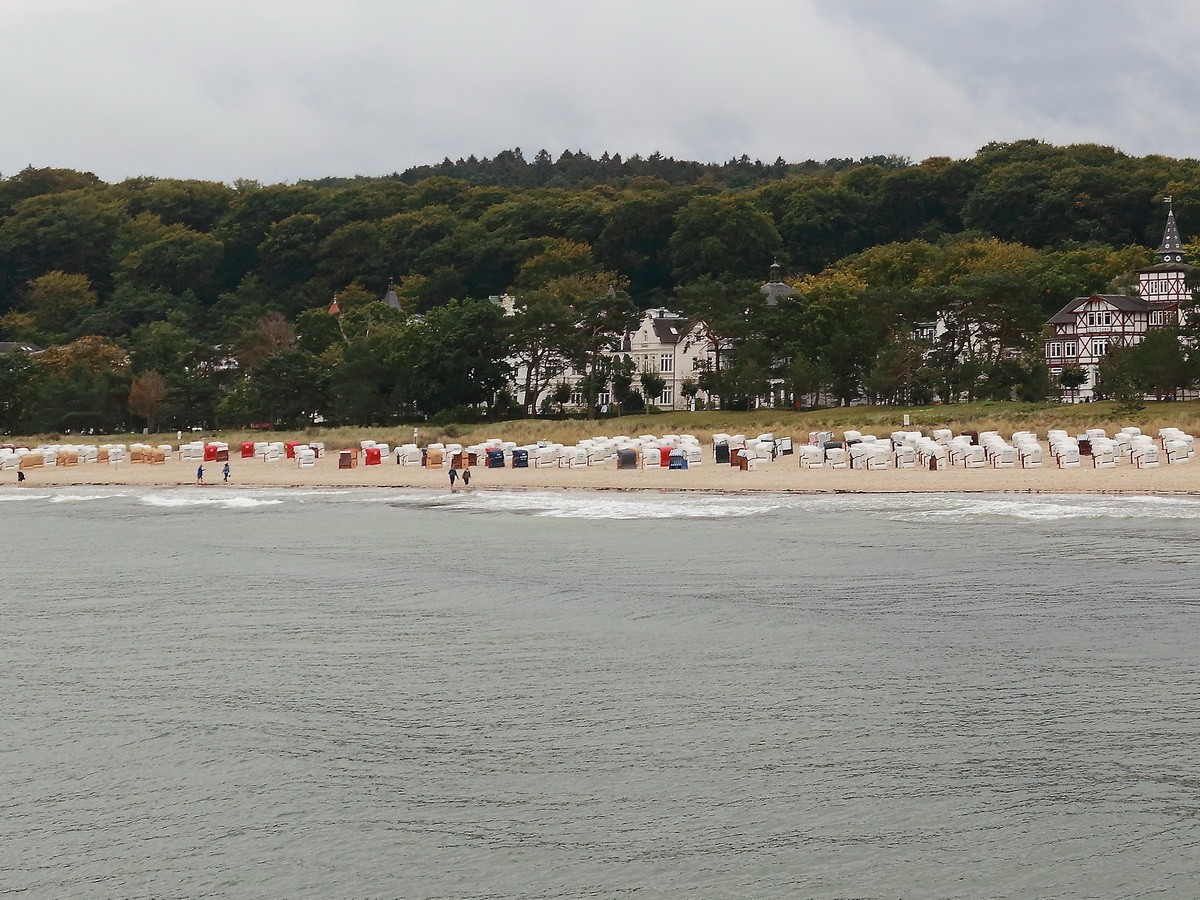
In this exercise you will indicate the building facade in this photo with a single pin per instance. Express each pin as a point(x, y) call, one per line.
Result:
point(1084, 331)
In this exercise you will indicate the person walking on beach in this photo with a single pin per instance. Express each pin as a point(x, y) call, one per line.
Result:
point(20, 477)
point(453, 476)
point(225, 472)
point(466, 477)
point(200, 475)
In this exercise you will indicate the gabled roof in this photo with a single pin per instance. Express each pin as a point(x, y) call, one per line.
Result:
point(19, 347)
point(1169, 267)
point(670, 331)
point(1123, 302)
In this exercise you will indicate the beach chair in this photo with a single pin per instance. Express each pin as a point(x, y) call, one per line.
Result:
point(1003, 457)
point(1177, 451)
point(1067, 457)
point(811, 457)
point(1145, 456)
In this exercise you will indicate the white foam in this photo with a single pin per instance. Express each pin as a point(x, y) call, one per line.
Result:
point(942, 509)
point(83, 498)
point(597, 505)
point(180, 501)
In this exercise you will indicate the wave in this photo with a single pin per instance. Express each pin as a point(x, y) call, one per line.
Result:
point(180, 501)
point(85, 498)
point(923, 508)
point(1047, 508)
point(601, 505)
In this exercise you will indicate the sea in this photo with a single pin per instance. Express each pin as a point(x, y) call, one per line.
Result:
point(373, 693)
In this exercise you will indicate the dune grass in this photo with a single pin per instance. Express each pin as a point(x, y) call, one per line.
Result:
point(881, 420)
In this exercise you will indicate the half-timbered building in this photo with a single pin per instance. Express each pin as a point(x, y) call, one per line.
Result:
point(1084, 331)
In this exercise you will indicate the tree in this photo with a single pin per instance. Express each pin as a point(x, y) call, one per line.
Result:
point(270, 335)
point(1072, 378)
point(1161, 363)
point(721, 309)
point(602, 312)
point(689, 388)
point(290, 387)
point(147, 396)
point(83, 385)
point(653, 385)
point(1118, 379)
point(70, 232)
point(454, 357)
point(175, 259)
point(55, 304)
point(895, 373)
point(16, 380)
point(723, 236)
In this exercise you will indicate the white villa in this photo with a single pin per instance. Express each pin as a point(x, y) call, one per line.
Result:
point(1084, 330)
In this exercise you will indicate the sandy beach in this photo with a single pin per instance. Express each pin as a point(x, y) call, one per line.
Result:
point(783, 474)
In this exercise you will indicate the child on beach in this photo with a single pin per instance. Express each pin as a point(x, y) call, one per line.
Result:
point(466, 477)
point(200, 475)
point(453, 476)
point(225, 472)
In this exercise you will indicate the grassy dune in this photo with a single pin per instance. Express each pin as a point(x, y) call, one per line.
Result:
point(881, 420)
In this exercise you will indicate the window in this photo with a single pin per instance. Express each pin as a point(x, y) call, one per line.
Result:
point(699, 363)
point(665, 398)
point(603, 398)
point(666, 363)
point(1157, 317)
point(1054, 351)
point(1099, 346)
point(576, 398)
point(1101, 317)
point(1069, 350)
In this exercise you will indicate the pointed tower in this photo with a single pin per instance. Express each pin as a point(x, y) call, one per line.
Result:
point(390, 297)
point(1171, 250)
point(1164, 285)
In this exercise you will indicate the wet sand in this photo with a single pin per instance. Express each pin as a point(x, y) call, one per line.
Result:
point(783, 474)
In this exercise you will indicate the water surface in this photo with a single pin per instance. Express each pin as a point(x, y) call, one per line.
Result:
point(232, 693)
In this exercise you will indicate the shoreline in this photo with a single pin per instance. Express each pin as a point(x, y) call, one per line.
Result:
point(782, 476)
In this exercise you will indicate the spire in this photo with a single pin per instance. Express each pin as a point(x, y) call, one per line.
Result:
point(1171, 250)
point(390, 297)
point(775, 270)
point(334, 309)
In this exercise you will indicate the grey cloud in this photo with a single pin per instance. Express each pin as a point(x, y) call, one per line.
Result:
point(280, 90)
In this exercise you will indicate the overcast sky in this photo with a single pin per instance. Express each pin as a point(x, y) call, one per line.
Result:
point(279, 90)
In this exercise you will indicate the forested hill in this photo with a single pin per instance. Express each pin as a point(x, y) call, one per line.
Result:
point(207, 283)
